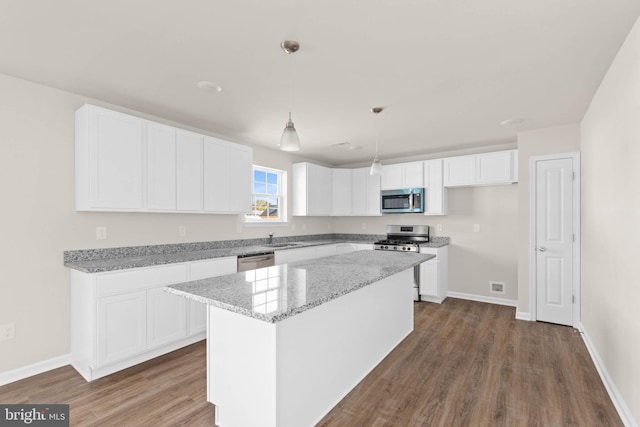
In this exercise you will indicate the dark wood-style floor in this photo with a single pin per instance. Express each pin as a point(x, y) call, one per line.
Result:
point(465, 364)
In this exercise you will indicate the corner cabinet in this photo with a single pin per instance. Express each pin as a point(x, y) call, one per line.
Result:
point(312, 190)
point(122, 318)
point(128, 164)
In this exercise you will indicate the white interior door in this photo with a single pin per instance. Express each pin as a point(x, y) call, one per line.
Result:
point(554, 240)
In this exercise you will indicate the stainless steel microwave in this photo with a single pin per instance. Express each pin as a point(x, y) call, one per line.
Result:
point(408, 200)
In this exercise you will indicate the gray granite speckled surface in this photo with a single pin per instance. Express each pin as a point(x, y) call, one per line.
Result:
point(111, 259)
point(275, 293)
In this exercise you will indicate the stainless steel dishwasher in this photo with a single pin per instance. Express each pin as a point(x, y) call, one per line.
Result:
point(253, 261)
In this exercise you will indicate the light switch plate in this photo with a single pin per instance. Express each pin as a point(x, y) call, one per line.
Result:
point(101, 233)
point(182, 230)
point(476, 228)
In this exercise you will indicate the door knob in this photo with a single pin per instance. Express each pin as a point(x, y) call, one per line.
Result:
point(542, 249)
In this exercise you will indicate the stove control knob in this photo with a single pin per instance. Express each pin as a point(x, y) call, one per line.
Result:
point(395, 248)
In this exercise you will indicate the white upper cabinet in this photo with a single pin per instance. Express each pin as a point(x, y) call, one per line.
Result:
point(436, 194)
point(402, 175)
point(365, 191)
point(161, 167)
point(125, 163)
point(110, 150)
point(227, 177)
point(342, 193)
point(189, 165)
point(499, 167)
point(312, 190)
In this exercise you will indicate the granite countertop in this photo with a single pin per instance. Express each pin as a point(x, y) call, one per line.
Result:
point(112, 259)
point(275, 293)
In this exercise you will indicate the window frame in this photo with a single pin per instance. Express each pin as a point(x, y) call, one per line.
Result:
point(281, 197)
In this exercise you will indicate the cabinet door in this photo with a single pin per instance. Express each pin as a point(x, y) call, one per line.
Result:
point(161, 167)
point(117, 160)
point(213, 268)
point(429, 278)
point(121, 325)
point(359, 193)
point(436, 197)
point(216, 175)
point(166, 318)
point(373, 195)
point(392, 177)
point(459, 171)
point(189, 163)
point(412, 175)
point(197, 317)
point(342, 192)
point(319, 187)
point(240, 160)
point(494, 168)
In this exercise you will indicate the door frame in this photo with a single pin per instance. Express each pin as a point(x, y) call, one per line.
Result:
point(533, 176)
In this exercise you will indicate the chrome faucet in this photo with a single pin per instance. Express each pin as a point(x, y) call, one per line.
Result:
point(271, 237)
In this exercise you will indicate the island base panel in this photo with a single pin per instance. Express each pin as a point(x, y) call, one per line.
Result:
point(293, 372)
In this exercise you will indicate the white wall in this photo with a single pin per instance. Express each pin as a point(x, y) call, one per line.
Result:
point(554, 140)
point(39, 222)
point(611, 222)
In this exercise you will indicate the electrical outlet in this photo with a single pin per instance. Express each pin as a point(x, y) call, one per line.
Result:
point(101, 233)
point(304, 227)
point(476, 228)
point(8, 331)
point(439, 228)
point(182, 230)
point(239, 228)
point(364, 225)
point(496, 287)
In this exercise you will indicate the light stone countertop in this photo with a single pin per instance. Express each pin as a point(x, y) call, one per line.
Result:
point(112, 259)
point(275, 293)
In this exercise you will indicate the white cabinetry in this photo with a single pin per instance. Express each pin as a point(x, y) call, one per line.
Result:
point(227, 177)
point(500, 167)
point(122, 318)
point(109, 160)
point(189, 171)
point(365, 190)
point(161, 167)
point(434, 275)
point(436, 193)
point(293, 255)
point(402, 175)
point(124, 163)
point(312, 190)
point(342, 192)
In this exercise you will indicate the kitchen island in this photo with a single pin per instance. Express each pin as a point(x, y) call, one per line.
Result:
point(286, 343)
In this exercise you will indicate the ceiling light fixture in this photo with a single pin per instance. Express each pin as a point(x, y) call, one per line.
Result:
point(209, 86)
point(376, 166)
point(511, 122)
point(289, 140)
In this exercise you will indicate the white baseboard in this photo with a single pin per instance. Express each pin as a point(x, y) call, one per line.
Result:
point(614, 394)
point(34, 369)
point(481, 298)
point(523, 315)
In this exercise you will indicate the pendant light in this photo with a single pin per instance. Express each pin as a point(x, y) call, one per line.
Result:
point(376, 166)
point(289, 140)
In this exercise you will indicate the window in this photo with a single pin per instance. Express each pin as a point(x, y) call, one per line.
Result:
point(268, 202)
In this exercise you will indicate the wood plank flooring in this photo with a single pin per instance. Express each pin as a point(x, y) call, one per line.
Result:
point(465, 364)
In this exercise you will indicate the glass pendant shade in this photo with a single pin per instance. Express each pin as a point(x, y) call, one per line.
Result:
point(289, 140)
point(376, 167)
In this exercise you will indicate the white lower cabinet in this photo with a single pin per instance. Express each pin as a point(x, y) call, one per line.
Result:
point(122, 318)
point(122, 326)
point(293, 255)
point(434, 275)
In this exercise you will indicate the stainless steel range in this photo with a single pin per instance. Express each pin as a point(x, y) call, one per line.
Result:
point(405, 238)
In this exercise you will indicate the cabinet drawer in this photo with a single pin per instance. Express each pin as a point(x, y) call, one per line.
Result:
point(140, 279)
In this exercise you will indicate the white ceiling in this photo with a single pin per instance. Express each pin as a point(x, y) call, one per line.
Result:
point(446, 71)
